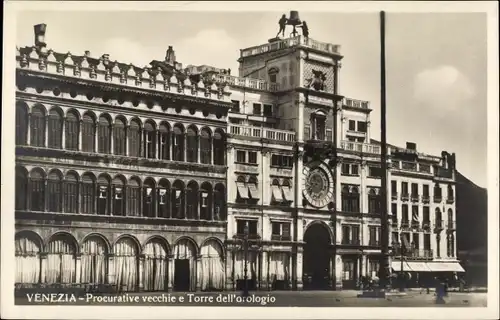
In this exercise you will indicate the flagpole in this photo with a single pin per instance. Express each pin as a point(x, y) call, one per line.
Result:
point(384, 271)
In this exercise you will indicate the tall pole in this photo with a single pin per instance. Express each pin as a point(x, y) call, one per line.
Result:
point(384, 271)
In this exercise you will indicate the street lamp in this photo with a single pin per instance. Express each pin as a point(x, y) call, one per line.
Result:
point(244, 243)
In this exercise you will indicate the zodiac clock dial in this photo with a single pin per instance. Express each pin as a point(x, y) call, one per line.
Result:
point(318, 184)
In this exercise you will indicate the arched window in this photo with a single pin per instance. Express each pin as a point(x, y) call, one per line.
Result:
point(219, 148)
point(178, 200)
point(61, 261)
point(118, 196)
point(55, 129)
point(88, 133)
point(103, 195)
point(37, 127)
point(220, 203)
point(178, 143)
point(119, 138)
point(350, 199)
point(155, 266)
point(374, 203)
point(437, 193)
point(134, 198)
point(71, 193)
point(134, 139)
point(206, 205)
point(21, 188)
point(450, 216)
point(192, 145)
point(192, 201)
point(88, 194)
point(72, 130)
point(37, 190)
point(164, 142)
point(451, 195)
point(54, 192)
point(126, 264)
point(28, 263)
point(163, 199)
point(150, 140)
point(205, 147)
point(149, 198)
point(94, 261)
point(21, 124)
point(104, 135)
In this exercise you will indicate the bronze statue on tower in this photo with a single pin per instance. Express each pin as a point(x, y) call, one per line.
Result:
point(293, 21)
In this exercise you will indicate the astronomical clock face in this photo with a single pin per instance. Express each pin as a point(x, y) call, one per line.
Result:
point(318, 184)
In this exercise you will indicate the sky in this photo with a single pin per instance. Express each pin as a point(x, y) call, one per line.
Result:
point(436, 62)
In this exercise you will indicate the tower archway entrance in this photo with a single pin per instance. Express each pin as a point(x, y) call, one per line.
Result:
point(316, 258)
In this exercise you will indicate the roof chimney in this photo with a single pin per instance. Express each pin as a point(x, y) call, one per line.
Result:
point(40, 35)
point(87, 53)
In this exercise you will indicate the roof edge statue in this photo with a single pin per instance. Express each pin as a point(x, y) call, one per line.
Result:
point(293, 21)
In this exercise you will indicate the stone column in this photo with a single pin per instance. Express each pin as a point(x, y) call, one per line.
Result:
point(156, 143)
point(338, 272)
point(126, 139)
point(80, 136)
point(229, 269)
point(300, 283)
point(198, 157)
point(46, 142)
point(290, 268)
point(363, 266)
point(199, 273)
point(43, 268)
point(96, 139)
point(111, 269)
point(78, 266)
point(111, 140)
point(63, 133)
point(264, 271)
point(141, 272)
point(171, 273)
point(28, 130)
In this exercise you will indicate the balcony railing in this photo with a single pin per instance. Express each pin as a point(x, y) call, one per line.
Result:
point(256, 84)
point(360, 147)
point(355, 242)
point(414, 197)
point(410, 166)
point(394, 223)
point(405, 223)
point(288, 43)
point(450, 200)
point(451, 225)
point(374, 243)
point(353, 103)
point(277, 237)
point(415, 224)
point(438, 225)
point(411, 253)
point(426, 226)
point(251, 236)
point(425, 168)
point(426, 198)
point(438, 199)
point(266, 133)
point(405, 196)
point(394, 195)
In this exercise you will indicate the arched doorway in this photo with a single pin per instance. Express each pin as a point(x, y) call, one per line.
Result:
point(316, 263)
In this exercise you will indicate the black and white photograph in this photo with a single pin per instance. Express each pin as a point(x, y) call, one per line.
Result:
point(250, 159)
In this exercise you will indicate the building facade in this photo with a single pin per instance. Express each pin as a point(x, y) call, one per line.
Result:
point(163, 178)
